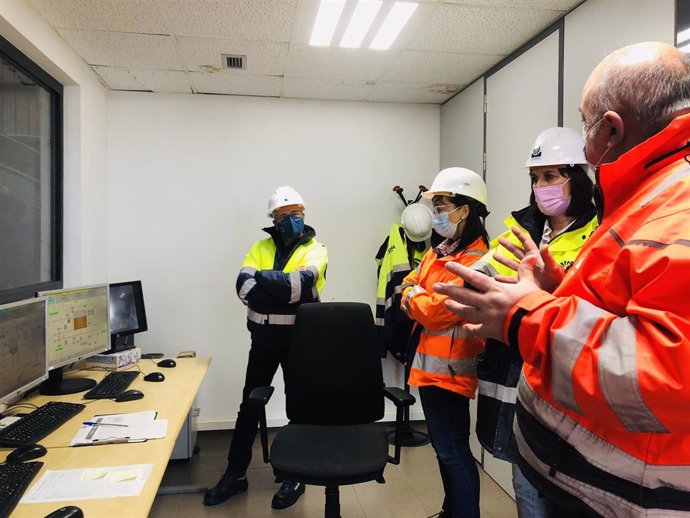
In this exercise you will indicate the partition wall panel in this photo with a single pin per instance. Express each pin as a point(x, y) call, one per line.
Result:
point(597, 28)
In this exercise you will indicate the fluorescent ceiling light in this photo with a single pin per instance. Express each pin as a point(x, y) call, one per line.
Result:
point(361, 20)
point(683, 36)
point(326, 22)
point(685, 48)
point(393, 25)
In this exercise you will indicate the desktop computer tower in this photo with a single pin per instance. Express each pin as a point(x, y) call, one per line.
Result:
point(184, 446)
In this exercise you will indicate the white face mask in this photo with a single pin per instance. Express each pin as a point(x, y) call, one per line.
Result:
point(442, 225)
point(585, 135)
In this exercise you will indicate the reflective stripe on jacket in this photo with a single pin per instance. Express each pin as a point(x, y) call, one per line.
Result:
point(606, 383)
point(394, 265)
point(499, 367)
point(274, 281)
point(445, 355)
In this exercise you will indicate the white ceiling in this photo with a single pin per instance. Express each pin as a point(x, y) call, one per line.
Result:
point(175, 46)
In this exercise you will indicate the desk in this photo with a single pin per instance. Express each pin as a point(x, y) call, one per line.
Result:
point(171, 398)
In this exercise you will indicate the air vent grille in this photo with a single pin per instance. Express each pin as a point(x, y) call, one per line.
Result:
point(234, 61)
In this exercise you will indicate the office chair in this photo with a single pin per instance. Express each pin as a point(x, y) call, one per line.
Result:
point(334, 395)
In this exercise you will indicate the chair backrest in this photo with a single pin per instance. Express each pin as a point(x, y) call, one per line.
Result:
point(334, 373)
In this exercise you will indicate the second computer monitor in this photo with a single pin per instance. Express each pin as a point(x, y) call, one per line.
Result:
point(127, 313)
point(78, 327)
point(23, 361)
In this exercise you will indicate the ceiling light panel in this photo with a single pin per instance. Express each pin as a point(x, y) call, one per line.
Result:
point(394, 23)
point(361, 21)
point(326, 22)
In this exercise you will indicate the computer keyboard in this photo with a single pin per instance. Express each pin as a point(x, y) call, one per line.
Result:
point(39, 423)
point(112, 385)
point(14, 479)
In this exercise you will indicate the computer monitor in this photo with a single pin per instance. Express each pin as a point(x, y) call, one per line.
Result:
point(127, 314)
point(78, 327)
point(23, 349)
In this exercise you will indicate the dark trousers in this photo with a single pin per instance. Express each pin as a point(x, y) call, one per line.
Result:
point(448, 421)
point(269, 349)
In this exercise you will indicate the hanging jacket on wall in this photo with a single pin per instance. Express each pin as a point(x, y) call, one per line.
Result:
point(446, 354)
point(499, 367)
point(396, 257)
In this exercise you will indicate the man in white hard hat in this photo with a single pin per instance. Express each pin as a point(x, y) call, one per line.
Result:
point(278, 274)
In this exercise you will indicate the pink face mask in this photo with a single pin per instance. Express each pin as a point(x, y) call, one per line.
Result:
point(550, 199)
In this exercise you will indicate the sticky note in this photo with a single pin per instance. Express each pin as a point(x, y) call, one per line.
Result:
point(93, 474)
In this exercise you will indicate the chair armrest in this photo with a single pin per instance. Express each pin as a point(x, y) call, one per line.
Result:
point(261, 395)
point(402, 400)
point(398, 396)
point(259, 398)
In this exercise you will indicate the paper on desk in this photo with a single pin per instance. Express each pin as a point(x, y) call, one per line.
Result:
point(89, 483)
point(140, 426)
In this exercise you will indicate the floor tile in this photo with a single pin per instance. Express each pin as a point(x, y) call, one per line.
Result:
point(413, 489)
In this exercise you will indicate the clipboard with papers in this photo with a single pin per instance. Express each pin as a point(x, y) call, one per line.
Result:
point(120, 428)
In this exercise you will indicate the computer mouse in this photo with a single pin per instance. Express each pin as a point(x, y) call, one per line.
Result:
point(155, 376)
point(129, 395)
point(69, 511)
point(26, 453)
point(167, 363)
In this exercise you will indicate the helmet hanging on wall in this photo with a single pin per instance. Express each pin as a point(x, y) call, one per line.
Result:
point(416, 222)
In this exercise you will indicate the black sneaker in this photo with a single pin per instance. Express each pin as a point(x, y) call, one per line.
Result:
point(287, 495)
point(226, 487)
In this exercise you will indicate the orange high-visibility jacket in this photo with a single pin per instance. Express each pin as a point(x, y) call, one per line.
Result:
point(445, 355)
point(605, 388)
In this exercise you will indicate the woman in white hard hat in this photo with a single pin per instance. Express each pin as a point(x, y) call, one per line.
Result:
point(444, 364)
point(562, 216)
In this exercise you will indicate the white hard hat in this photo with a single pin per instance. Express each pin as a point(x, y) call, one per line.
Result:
point(416, 222)
point(283, 196)
point(458, 180)
point(558, 146)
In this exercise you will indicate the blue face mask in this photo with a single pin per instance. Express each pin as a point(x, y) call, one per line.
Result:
point(290, 227)
point(443, 227)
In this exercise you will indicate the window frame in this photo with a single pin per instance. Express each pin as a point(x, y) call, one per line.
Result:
point(10, 53)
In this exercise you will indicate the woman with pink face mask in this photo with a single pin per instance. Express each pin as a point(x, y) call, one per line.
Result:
point(560, 215)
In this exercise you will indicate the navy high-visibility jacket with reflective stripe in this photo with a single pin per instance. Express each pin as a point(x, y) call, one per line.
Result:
point(393, 259)
point(605, 392)
point(499, 366)
point(275, 279)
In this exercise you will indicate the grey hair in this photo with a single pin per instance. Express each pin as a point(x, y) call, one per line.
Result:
point(650, 93)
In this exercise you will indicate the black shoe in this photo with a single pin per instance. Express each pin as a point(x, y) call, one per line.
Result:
point(287, 495)
point(226, 487)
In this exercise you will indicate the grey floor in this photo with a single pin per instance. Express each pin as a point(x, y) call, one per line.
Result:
point(412, 489)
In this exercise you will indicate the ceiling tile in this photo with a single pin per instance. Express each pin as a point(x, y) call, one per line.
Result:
point(234, 84)
point(481, 30)
point(159, 81)
point(415, 66)
point(263, 20)
point(385, 91)
point(119, 78)
point(106, 15)
point(331, 89)
point(120, 49)
point(553, 5)
point(337, 63)
point(263, 57)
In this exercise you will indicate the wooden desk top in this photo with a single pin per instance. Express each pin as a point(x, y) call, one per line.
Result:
point(172, 399)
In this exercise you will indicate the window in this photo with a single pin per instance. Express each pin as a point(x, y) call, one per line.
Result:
point(30, 177)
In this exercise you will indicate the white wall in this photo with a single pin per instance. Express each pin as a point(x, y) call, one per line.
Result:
point(189, 180)
point(601, 26)
point(462, 129)
point(85, 250)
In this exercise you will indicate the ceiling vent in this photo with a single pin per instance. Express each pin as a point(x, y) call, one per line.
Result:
point(234, 61)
